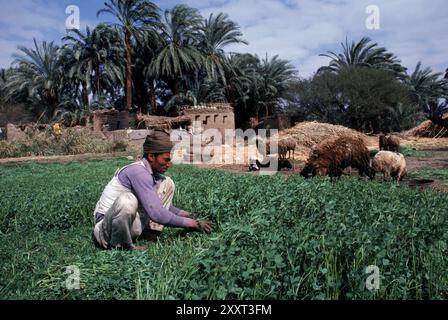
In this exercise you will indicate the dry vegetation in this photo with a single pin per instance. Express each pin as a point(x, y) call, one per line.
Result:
point(428, 129)
point(72, 141)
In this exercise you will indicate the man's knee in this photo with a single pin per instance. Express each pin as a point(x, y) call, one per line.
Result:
point(126, 203)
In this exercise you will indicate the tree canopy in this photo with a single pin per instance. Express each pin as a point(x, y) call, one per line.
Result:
point(153, 62)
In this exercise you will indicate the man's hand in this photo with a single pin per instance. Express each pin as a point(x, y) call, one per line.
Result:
point(203, 226)
point(186, 214)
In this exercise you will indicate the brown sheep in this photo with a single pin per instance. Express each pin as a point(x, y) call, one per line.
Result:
point(389, 143)
point(286, 146)
point(382, 142)
point(282, 149)
point(393, 143)
point(332, 156)
point(391, 164)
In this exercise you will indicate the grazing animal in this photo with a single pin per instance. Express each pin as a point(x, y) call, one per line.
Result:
point(389, 143)
point(286, 146)
point(332, 156)
point(391, 164)
point(382, 142)
point(393, 143)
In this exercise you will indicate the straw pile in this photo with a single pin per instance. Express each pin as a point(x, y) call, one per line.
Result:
point(308, 134)
point(207, 108)
point(154, 122)
point(428, 129)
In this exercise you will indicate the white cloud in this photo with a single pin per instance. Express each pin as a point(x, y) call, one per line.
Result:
point(22, 20)
point(309, 65)
point(298, 30)
point(7, 48)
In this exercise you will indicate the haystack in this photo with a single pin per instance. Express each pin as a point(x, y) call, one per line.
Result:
point(429, 129)
point(155, 122)
point(308, 134)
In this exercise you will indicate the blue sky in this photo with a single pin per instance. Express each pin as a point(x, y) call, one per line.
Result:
point(297, 30)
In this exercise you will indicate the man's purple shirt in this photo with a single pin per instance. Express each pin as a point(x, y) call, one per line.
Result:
point(143, 182)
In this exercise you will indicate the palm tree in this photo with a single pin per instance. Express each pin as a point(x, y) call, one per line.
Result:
point(426, 86)
point(38, 72)
point(178, 54)
point(199, 92)
point(134, 17)
point(2, 83)
point(427, 91)
point(217, 33)
point(274, 77)
point(93, 58)
point(364, 53)
point(145, 79)
point(2, 75)
point(253, 84)
point(240, 72)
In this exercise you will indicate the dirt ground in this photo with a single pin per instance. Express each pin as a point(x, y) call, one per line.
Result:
point(62, 159)
point(437, 147)
point(438, 160)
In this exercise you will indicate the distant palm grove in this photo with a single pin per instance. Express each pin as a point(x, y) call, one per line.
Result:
point(152, 62)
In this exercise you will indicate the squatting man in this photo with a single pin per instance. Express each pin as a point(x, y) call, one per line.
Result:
point(137, 202)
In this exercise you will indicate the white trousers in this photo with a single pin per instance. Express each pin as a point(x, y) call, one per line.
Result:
point(122, 225)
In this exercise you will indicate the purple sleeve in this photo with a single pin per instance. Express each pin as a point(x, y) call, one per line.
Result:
point(141, 182)
point(175, 210)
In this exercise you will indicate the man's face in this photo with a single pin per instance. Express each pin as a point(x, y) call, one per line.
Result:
point(161, 162)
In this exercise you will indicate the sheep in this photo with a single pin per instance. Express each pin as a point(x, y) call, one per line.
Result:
point(382, 142)
point(286, 146)
point(282, 149)
point(391, 164)
point(332, 156)
point(393, 143)
point(389, 143)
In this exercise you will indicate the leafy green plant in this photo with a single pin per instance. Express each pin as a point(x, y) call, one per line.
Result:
point(412, 152)
point(439, 174)
point(408, 152)
point(274, 238)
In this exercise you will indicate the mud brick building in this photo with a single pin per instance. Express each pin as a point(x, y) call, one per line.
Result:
point(211, 116)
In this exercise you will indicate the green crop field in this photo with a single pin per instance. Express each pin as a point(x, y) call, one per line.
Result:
point(409, 152)
point(431, 173)
point(274, 238)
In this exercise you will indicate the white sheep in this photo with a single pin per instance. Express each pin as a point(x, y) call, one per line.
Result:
point(391, 164)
